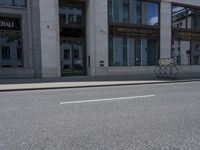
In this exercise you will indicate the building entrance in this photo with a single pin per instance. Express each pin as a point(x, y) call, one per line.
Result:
point(72, 38)
point(72, 56)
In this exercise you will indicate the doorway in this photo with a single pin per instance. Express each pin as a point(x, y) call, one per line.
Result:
point(72, 38)
point(72, 56)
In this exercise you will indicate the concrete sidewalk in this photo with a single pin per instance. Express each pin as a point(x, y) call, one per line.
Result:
point(85, 81)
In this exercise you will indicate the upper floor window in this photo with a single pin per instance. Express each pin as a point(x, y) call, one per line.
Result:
point(149, 13)
point(15, 3)
point(71, 15)
point(185, 17)
point(134, 11)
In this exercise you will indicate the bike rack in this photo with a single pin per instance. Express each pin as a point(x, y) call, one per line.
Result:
point(166, 69)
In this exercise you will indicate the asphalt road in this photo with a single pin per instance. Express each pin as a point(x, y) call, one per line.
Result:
point(142, 117)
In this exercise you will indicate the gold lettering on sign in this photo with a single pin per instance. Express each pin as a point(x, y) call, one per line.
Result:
point(188, 35)
point(135, 31)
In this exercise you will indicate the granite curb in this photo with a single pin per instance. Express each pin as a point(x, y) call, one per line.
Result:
point(53, 87)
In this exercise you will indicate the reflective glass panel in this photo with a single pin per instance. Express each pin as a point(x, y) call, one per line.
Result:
point(195, 58)
point(179, 17)
point(133, 52)
point(117, 51)
point(130, 52)
point(71, 56)
point(17, 3)
point(135, 12)
point(193, 19)
point(181, 52)
point(119, 10)
point(149, 13)
point(71, 15)
point(185, 17)
point(11, 49)
point(20, 3)
point(152, 51)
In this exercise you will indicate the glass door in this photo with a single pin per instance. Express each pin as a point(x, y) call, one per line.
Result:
point(72, 60)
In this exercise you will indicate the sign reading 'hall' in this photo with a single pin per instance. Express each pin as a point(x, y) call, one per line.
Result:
point(12, 24)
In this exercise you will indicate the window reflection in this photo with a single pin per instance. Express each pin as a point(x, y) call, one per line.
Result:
point(133, 11)
point(119, 10)
point(179, 17)
point(185, 17)
point(17, 3)
point(186, 52)
point(190, 20)
point(71, 54)
point(195, 53)
point(20, 3)
point(11, 49)
point(194, 22)
point(181, 52)
point(133, 52)
point(149, 13)
point(70, 15)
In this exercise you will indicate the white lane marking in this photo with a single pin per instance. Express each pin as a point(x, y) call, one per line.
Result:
point(107, 99)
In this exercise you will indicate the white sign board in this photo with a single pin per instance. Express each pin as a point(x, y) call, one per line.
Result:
point(166, 61)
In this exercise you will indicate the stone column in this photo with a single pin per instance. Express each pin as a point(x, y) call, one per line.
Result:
point(49, 29)
point(97, 36)
point(35, 39)
point(165, 29)
point(90, 38)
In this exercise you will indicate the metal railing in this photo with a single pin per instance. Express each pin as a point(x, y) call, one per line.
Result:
point(166, 69)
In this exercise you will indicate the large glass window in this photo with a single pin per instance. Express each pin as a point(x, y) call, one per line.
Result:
point(186, 42)
point(71, 15)
point(195, 53)
point(17, 3)
point(186, 52)
point(185, 17)
point(133, 52)
point(131, 41)
point(119, 10)
point(134, 11)
point(193, 19)
point(11, 49)
point(179, 17)
point(181, 52)
point(11, 54)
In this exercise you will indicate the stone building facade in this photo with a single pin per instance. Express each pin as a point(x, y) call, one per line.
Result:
point(55, 38)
